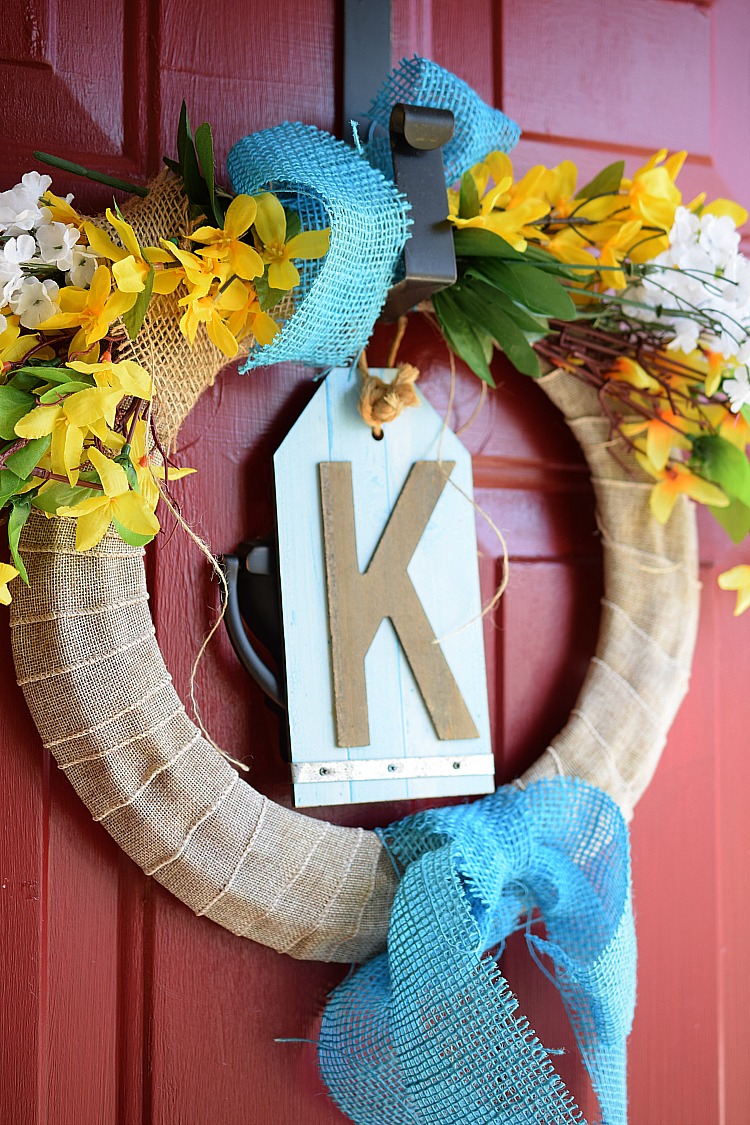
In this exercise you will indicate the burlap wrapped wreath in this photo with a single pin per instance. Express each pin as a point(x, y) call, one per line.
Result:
point(95, 682)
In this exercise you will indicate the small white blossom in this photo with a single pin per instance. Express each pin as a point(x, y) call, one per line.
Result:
point(719, 238)
point(35, 301)
point(19, 208)
point(11, 276)
point(686, 334)
point(685, 227)
point(36, 184)
point(56, 242)
point(738, 389)
point(83, 267)
point(3, 323)
point(699, 288)
point(19, 250)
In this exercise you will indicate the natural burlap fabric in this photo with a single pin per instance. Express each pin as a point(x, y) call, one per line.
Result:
point(89, 665)
point(640, 673)
point(180, 372)
point(97, 688)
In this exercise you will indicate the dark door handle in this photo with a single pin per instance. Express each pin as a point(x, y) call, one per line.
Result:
point(253, 601)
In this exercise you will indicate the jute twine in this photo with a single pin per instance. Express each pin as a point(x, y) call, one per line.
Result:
point(96, 685)
point(380, 403)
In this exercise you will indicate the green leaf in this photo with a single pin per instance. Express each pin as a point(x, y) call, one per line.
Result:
point(173, 166)
point(735, 519)
point(22, 381)
point(19, 513)
point(195, 186)
point(607, 182)
point(183, 132)
point(59, 495)
point(43, 373)
point(123, 460)
point(9, 485)
point(468, 199)
point(509, 337)
point(484, 295)
point(14, 404)
point(131, 537)
point(293, 223)
point(204, 146)
point(473, 242)
point(133, 318)
point(529, 287)
point(24, 460)
point(267, 297)
point(465, 341)
point(54, 393)
point(723, 463)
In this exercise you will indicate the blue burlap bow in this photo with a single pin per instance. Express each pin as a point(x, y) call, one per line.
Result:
point(428, 1033)
point(330, 184)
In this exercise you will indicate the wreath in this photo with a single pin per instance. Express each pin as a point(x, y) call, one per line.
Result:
point(569, 280)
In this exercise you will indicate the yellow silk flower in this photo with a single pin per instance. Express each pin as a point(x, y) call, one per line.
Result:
point(132, 263)
point(117, 503)
point(676, 479)
point(738, 578)
point(227, 244)
point(89, 411)
point(90, 310)
point(270, 227)
point(7, 574)
point(146, 469)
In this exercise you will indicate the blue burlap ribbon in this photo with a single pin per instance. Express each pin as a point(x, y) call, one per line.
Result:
point(428, 1033)
point(330, 184)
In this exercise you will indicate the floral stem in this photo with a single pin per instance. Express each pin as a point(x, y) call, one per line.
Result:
point(44, 474)
point(88, 174)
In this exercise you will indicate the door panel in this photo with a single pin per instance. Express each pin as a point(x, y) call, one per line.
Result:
point(118, 1006)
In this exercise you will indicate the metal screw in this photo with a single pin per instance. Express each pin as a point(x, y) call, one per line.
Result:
point(323, 771)
point(457, 765)
point(391, 768)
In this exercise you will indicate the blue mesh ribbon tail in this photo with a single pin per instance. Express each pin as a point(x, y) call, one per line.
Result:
point(330, 184)
point(429, 1033)
point(479, 128)
point(340, 296)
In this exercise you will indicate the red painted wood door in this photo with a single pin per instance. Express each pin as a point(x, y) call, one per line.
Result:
point(117, 1005)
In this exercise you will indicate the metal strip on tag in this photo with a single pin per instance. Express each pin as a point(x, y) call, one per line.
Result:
point(472, 765)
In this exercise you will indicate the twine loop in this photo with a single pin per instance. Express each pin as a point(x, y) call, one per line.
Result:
point(381, 402)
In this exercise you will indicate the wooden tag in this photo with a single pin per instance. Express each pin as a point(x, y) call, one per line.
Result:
point(385, 671)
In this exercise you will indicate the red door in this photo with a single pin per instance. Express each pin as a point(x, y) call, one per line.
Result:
point(118, 1006)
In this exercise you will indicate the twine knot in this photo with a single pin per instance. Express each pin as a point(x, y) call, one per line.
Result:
point(381, 402)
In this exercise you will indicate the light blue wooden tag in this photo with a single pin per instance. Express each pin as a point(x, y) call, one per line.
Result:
point(405, 758)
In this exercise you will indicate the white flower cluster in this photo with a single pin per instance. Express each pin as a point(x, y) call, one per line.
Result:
point(29, 239)
point(700, 290)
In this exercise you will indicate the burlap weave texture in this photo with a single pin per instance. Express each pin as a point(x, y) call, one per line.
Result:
point(103, 701)
point(88, 662)
point(641, 670)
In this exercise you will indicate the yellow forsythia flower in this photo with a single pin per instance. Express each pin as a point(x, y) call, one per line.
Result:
point(7, 574)
point(738, 578)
